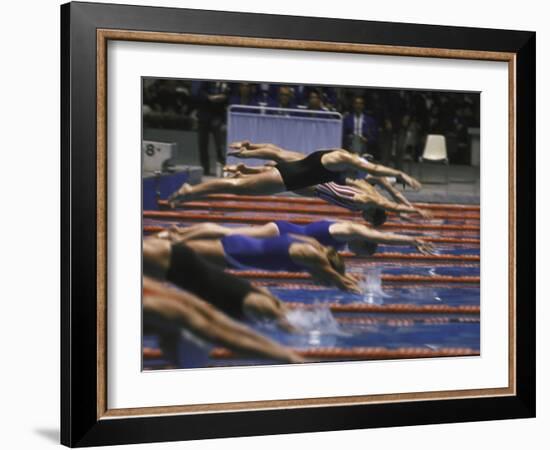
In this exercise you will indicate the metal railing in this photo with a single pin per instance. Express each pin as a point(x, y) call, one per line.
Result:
point(298, 129)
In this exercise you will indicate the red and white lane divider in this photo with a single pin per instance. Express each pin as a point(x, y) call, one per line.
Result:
point(404, 322)
point(387, 278)
point(291, 208)
point(398, 308)
point(150, 229)
point(316, 201)
point(371, 353)
point(186, 216)
point(310, 286)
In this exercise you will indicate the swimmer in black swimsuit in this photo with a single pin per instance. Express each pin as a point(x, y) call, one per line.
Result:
point(287, 253)
point(355, 195)
point(360, 239)
point(318, 167)
point(168, 309)
point(178, 264)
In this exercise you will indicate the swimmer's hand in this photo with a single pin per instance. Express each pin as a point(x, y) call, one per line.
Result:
point(426, 248)
point(410, 181)
point(350, 284)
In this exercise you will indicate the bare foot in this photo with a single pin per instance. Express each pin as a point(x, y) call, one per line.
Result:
point(174, 229)
point(240, 153)
point(180, 194)
point(239, 145)
point(234, 168)
point(165, 234)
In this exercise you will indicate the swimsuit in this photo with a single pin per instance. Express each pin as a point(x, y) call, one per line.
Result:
point(306, 172)
point(189, 271)
point(319, 230)
point(338, 195)
point(245, 252)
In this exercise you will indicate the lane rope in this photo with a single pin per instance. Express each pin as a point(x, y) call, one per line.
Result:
point(405, 322)
point(276, 284)
point(317, 201)
point(150, 229)
point(152, 353)
point(297, 209)
point(400, 308)
point(373, 353)
point(386, 278)
point(204, 217)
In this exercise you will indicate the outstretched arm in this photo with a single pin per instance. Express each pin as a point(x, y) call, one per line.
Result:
point(361, 232)
point(373, 197)
point(205, 321)
point(395, 194)
point(399, 197)
point(401, 208)
point(320, 268)
point(380, 170)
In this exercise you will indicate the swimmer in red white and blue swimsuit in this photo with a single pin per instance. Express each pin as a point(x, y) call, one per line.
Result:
point(353, 189)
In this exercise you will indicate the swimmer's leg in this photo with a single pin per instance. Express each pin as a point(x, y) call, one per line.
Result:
point(246, 170)
point(246, 149)
point(264, 305)
point(210, 230)
point(269, 182)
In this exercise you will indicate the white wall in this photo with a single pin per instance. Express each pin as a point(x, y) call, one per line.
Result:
point(29, 87)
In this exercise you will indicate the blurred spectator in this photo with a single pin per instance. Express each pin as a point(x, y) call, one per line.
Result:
point(267, 93)
point(244, 97)
point(360, 129)
point(315, 103)
point(385, 142)
point(389, 122)
point(408, 141)
point(329, 97)
point(301, 94)
point(284, 100)
point(212, 101)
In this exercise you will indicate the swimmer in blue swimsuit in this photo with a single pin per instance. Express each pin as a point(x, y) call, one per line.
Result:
point(359, 239)
point(289, 253)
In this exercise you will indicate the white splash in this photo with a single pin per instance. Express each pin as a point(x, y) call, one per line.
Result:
point(317, 324)
point(371, 286)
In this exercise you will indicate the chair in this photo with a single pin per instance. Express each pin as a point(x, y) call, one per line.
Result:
point(435, 152)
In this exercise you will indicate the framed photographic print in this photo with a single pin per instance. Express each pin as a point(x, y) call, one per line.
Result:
point(277, 224)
